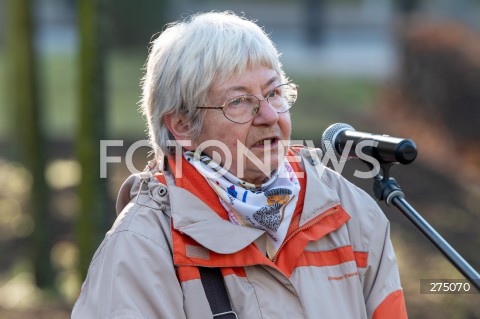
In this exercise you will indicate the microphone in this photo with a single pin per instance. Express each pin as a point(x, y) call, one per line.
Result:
point(384, 148)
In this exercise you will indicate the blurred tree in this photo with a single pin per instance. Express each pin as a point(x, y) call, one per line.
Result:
point(91, 222)
point(29, 141)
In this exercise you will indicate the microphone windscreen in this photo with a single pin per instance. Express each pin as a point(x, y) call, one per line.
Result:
point(329, 136)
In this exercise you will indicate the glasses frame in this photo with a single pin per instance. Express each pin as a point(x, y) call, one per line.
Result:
point(224, 105)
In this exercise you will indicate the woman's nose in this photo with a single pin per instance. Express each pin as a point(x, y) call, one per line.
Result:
point(266, 115)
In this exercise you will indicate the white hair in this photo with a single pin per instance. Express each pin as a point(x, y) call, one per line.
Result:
point(188, 57)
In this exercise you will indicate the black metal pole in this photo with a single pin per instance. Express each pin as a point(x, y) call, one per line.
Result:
point(387, 189)
point(398, 200)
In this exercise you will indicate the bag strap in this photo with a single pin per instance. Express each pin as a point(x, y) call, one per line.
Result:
point(213, 284)
point(216, 292)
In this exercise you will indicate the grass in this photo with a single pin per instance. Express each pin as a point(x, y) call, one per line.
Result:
point(321, 101)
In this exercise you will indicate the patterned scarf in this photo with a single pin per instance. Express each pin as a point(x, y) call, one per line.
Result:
point(269, 207)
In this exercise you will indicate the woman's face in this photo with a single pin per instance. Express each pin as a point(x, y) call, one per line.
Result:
point(255, 148)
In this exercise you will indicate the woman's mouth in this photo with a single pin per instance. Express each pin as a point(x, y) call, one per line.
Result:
point(268, 142)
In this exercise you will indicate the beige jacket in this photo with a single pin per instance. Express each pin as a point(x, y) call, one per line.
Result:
point(337, 263)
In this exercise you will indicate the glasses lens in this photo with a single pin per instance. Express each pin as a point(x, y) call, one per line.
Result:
point(283, 97)
point(241, 109)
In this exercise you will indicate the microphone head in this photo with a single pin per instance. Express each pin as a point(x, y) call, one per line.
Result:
point(329, 136)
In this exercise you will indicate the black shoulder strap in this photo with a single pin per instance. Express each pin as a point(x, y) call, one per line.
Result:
point(214, 286)
point(212, 279)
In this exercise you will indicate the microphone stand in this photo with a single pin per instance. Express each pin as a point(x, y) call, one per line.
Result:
point(387, 189)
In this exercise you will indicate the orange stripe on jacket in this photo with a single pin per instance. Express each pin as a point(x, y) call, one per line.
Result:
point(237, 271)
point(326, 258)
point(186, 273)
point(392, 307)
point(361, 258)
point(302, 180)
point(248, 256)
point(328, 221)
point(333, 257)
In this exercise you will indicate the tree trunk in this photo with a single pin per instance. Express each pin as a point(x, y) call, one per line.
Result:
point(90, 225)
point(29, 142)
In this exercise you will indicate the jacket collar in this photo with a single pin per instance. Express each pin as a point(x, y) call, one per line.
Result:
point(205, 226)
point(316, 185)
point(197, 212)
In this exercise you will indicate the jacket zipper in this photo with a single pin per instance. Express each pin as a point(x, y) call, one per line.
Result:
point(328, 212)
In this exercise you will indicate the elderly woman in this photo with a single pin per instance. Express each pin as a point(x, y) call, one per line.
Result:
point(230, 220)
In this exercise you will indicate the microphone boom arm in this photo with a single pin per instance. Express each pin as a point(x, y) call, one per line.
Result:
point(387, 189)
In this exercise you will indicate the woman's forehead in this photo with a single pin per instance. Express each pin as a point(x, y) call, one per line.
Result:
point(251, 80)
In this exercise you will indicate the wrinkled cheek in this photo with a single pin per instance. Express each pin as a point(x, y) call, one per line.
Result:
point(229, 155)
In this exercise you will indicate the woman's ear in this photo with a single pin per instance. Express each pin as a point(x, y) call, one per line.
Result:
point(178, 126)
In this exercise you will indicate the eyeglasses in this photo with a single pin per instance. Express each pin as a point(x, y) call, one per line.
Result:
point(242, 109)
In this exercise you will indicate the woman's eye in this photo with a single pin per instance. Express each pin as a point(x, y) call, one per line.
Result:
point(235, 101)
point(271, 94)
point(238, 101)
point(275, 93)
